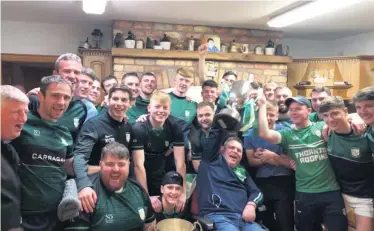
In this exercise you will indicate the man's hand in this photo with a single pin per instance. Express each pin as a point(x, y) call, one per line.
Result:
point(258, 153)
point(326, 132)
point(203, 49)
point(169, 151)
point(358, 125)
point(142, 118)
point(261, 100)
point(88, 199)
point(181, 203)
point(34, 91)
point(293, 165)
point(267, 157)
point(156, 203)
point(249, 213)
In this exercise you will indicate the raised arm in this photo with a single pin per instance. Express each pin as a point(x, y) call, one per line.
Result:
point(203, 50)
point(263, 129)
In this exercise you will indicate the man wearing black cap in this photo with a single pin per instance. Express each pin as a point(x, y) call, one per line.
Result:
point(171, 189)
point(318, 194)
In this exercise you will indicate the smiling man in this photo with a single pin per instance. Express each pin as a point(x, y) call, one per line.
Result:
point(14, 109)
point(45, 150)
point(351, 158)
point(131, 80)
point(122, 204)
point(95, 92)
point(153, 139)
point(95, 134)
point(318, 95)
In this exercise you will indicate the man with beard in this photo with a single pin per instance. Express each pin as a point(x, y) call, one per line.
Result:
point(281, 94)
point(131, 80)
point(148, 83)
point(273, 176)
point(153, 139)
point(122, 204)
point(318, 95)
point(68, 66)
point(45, 150)
point(318, 197)
point(105, 128)
point(95, 92)
point(14, 109)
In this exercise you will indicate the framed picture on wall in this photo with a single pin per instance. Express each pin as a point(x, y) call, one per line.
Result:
point(213, 41)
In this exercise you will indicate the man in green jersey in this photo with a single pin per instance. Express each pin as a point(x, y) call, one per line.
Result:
point(148, 83)
point(364, 104)
point(122, 204)
point(318, 94)
point(152, 140)
point(69, 67)
point(45, 151)
point(351, 158)
point(318, 197)
point(131, 80)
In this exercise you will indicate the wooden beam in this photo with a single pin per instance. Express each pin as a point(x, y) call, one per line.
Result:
point(25, 58)
point(334, 58)
point(194, 55)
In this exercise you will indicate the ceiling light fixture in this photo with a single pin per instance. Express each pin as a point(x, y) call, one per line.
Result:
point(94, 6)
point(308, 11)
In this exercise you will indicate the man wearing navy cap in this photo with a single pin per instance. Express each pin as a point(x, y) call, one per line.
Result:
point(318, 196)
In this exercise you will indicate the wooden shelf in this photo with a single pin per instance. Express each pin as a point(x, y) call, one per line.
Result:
point(194, 55)
point(302, 87)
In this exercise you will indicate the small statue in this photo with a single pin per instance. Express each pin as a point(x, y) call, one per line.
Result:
point(118, 40)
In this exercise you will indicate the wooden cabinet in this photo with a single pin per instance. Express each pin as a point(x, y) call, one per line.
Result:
point(99, 60)
point(357, 70)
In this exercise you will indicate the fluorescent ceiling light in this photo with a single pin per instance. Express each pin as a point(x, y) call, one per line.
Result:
point(308, 11)
point(94, 6)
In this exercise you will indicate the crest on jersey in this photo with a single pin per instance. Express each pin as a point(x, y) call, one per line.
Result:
point(36, 133)
point(355, 152)
point(187, 113)
point(141, 213)
point(76, 122)
point(127, 137)
point(166, 143)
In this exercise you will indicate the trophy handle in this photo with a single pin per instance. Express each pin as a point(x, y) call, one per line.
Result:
point(195, 224)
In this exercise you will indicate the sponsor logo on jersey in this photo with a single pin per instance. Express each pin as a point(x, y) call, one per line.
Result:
point(63, 141)
point(355, 152)
point(36, 133)
point(166, 143)
point(128, 137)
point(109, 218)
point(141, 213)
point(109, 139)
point(36, 156)
point(76, 122)
point(187, 113)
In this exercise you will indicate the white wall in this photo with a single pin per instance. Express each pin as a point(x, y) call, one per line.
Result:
point(48, 39)
point(361, 44)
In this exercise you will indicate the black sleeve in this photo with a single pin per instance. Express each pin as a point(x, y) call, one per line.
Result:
point(178, 135)
point(34, 102)
point(10, 197)
point(194, 139)
point(86, 140)
point(139, 136)
point(150, 212)
point(82, 222)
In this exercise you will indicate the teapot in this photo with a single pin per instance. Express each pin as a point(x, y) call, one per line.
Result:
point(282, 50)
point(269, 49)
point(258, 50)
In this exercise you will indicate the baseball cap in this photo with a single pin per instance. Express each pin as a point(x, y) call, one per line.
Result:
point(299, 99)
point(172, 177)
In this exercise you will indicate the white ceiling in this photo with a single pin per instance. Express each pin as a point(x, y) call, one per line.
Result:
point(243, 14)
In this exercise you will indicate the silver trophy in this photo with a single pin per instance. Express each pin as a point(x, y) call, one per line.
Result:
point(229, 118)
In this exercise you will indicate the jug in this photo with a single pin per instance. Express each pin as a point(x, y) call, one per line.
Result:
point(258, 50)
point(282, 50)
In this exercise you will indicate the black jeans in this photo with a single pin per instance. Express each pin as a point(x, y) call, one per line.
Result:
point(42, 222)
point(279, 194)
point(313, 208)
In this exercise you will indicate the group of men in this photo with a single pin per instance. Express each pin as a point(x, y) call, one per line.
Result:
point(130, 153)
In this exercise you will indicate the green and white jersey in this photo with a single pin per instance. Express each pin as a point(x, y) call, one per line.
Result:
point(140, 108)
point(307, 147)
point(313, 117)
point(127, 210)
point(182, 109)
point(43, 147)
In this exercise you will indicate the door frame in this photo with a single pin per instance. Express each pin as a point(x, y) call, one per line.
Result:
point(28, 58)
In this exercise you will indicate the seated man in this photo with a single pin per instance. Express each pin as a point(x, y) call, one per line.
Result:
point(122, 204)
point(171, 189)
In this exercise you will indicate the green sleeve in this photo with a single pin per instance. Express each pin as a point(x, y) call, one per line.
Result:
point(285, 134)
point(319, 125)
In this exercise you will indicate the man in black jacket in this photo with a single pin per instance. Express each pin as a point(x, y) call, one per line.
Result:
point(14, 111)
point(95, 134)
